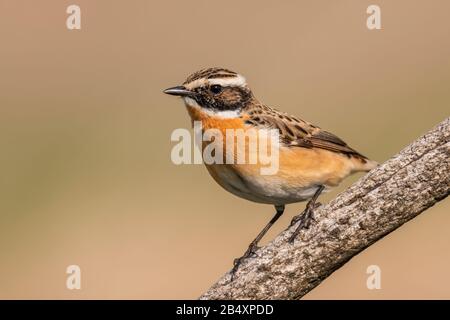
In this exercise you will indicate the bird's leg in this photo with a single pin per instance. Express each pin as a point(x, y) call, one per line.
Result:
point(307, 215)
point(254, 244)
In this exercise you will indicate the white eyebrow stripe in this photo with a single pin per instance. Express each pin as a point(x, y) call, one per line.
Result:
point(237, 81)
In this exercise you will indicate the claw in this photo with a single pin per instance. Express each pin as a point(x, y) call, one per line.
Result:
point(295, 219)
point(251, 251)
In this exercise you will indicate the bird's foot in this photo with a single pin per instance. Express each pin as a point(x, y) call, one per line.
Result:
point(305, 218)
point(251, 251)
point(300, 216)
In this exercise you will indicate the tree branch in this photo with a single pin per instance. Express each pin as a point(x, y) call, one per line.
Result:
point(380, 202)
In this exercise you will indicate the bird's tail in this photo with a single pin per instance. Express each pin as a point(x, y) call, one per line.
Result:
point(363, 164)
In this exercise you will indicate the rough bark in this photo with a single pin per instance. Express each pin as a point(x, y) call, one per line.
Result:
point(377, 204)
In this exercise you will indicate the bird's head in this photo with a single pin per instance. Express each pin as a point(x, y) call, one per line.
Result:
point(214, 90)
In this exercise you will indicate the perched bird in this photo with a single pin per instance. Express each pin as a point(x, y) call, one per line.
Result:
point(311, 160)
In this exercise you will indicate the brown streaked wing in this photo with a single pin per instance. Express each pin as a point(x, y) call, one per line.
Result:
point(295, 132)
point(326, 140)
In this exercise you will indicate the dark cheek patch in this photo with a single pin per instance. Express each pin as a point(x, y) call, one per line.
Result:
point(231, 98)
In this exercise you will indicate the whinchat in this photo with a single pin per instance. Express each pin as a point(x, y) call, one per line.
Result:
point(311, 160)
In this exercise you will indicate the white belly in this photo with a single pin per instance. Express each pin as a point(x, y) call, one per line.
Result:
point(269, 189)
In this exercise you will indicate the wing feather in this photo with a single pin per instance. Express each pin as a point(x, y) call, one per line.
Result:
point(295, 132)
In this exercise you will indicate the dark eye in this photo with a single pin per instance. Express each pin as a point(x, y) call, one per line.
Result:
point(216, 88)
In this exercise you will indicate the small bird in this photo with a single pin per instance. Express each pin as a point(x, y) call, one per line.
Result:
point(311, 160)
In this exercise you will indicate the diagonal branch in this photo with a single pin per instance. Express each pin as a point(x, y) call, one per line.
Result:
point(380, 202)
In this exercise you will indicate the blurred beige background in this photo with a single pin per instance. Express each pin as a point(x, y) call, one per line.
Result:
point(86, 176)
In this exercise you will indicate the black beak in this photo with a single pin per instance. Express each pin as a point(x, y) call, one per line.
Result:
point(180, 91)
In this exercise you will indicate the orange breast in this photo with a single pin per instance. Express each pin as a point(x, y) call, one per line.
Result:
point(298, 167)
point(215, 122)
